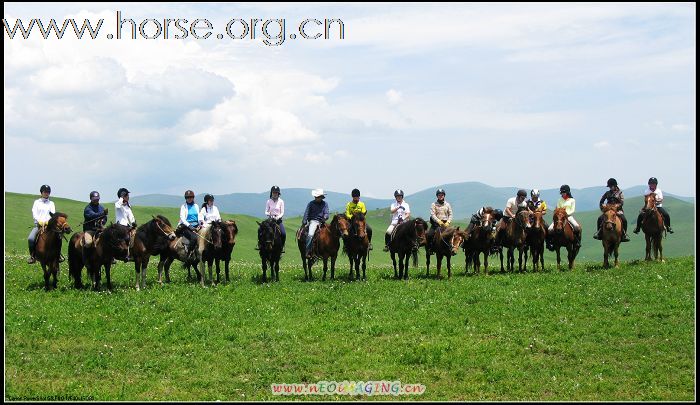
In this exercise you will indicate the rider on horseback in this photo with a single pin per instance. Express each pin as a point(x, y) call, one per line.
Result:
point(41, 212)
point(569, 204)
point(190, 221)
point(534, 204)
point(659, 205)
point(613, 196)
point(94, 220)
point(400, 212)
point(440, 215)
point(274, 209)
point(513, 206)
point(316, 214)
point(357, 206)
point(479, 216)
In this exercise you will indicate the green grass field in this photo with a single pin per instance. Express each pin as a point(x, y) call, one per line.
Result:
point(589, 334)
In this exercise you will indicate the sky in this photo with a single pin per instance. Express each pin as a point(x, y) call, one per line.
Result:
point(528, 95)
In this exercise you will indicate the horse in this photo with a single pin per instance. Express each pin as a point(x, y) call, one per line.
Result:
point(48, 246)
point(513, 237)
point(563, 236)
point(177, 249)
point(653, 227)
point(223, 238)
point(325, 245)
point(535, 239)
point(479, 240)
point(611, 233)
point(445, 243)
point(270, 242)
point(406, 236)
point(151, 238)
point(357, 245)
point(113, 243)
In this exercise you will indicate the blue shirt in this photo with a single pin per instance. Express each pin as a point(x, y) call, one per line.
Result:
point(192, 215)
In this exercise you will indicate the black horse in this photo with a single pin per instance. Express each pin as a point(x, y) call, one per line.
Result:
point(270, 242)
point(407, 237)
point(223, 238)
point(113, 243)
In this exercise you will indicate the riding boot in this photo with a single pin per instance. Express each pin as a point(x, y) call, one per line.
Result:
point(31, 259)
point(577, 240)
point(387, 239)
point(668, 229)
point(625, 238)
point(596, 235)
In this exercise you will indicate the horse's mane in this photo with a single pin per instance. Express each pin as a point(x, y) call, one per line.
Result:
point(560, 211)
point(358, 216)
point(55, 217)
point(609, 207)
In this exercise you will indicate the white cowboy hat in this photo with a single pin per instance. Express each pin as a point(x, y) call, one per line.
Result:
point(318, 193)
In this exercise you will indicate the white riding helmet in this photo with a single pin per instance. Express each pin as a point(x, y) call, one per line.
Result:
point(535, 192)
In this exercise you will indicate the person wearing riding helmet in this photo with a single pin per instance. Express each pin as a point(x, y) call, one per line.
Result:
point(41, 212)
point(124, 216)
point(513, 206)
point(315, 215)
point(653, 188)
point(567, 202)
point(534, 204)
point(209, 211)
point(400, 212)
point(274, 209)
point(613, 196)
point(440, 214)
point(94, 219)
point(478, 216)
point(356, 206)
point(190, 221)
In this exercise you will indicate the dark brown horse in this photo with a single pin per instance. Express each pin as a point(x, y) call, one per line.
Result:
point(113, 243)
point(176, 249)
point(611, 233)
point(270, 242)
point(223, 238)
point(536, 236)
point(513, 234)
point(408, 235)
point(563, 236)
point(480, 240)
point(445, 243)
point(653, 227)
point(150, 239)
point(325, 245)
point(48, 246)
point(357, 246)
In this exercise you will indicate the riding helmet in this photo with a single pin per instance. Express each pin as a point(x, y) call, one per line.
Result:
point(355, 192)
point(208, 197)
point(612, 182)
point(398, 192)
point(189, 193)
point(498, 213)
point(522, 193)
point(122, 192)
point(653, 181)
point(274, 189)
point(94, 195)
point(439, 191)
point(535, 192)
point(565, 189)
point(46, 188)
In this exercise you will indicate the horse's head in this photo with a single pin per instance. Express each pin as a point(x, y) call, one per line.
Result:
point(537, 219)
point(340, 223)
point(162, 224)
point(59, 223)
point(457, 240)
point(267, 234)
point(360, 224)
point(487, 218)
point(117, 238)
point(421, 228)
point(524, 219)
point(216, 234)
point(559, 219)
point(610, 214)
point(230, 232)
point(650, 202)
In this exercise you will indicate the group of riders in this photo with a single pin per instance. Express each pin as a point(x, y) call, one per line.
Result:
point(317, 212)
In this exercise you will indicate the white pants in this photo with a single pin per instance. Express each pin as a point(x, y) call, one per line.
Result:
point(572, 221)
point(390, 229)
point(87, 240)
point(313, 225)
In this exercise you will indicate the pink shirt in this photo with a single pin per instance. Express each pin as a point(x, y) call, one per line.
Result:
point(274, 209)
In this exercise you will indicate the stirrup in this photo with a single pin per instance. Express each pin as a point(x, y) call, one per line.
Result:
point(31, 260)
point(386, 248)
point(625, 238)
point(61, 259)
point(636, 230)
point(370, 247)
point(669, 230)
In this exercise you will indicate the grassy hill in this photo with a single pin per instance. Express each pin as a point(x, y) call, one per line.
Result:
point(18, 221)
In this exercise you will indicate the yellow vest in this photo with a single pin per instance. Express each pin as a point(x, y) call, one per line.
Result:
point(352, 208)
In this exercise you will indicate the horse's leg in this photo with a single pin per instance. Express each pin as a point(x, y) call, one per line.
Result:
point(108, 273)
point(226, 262)
point(54, 273)
point(333, 258)
point(617, 248)
point(648, 247)
point(558, 258)
point(438, 256)
point(500, 255)
point(449, 268)
point(393, 260)
point(660, 247)
point(572, 256)
point(210, 264)
point(277, 269)
point(264, 269)
point(427, 263)
point(364, 267)
point(405, 265)
point(168, 262)
point(137, 270)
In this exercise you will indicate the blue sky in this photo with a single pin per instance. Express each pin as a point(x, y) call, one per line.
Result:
point(415, 95)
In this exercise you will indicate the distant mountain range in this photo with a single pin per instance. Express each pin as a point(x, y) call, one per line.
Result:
point(465, 199)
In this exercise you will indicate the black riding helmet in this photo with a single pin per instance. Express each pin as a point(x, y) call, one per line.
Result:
point(522, 193)
point(612, 182)
point(122, 192)
point(94, 195)
point(498, 213)
point(653, 181)
point(439, 191)
point(565, 189)
point(355, 192)
point(208, 197)
point(398, 192)
point(275, 189)
point(46, 188)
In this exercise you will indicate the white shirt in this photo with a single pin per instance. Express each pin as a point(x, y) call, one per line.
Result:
point(403, 211)
point(659, 196)
point(123, 213)
point(209, 216)
point(42, 210)
point(183, 214)
point(513, 206)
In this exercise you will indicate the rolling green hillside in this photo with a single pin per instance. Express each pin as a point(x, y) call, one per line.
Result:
point(18, 222)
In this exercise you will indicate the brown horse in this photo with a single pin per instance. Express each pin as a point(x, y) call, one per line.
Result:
point(611, 233)
point(408, 235)
point(563, 236)
point(513, 234)
point(48, 246)
point(113, 243)
point(176, 249)
point(223, 238)
point(357, 246)
point(445, 243)
point(479, 240)
point(325, 245)
point(653, 227)
point(151, 239)
point(536, 236)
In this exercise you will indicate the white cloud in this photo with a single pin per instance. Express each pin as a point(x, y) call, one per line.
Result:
point(319, 157)
point(680, 127)
point(393, 96)
point(604, 145)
